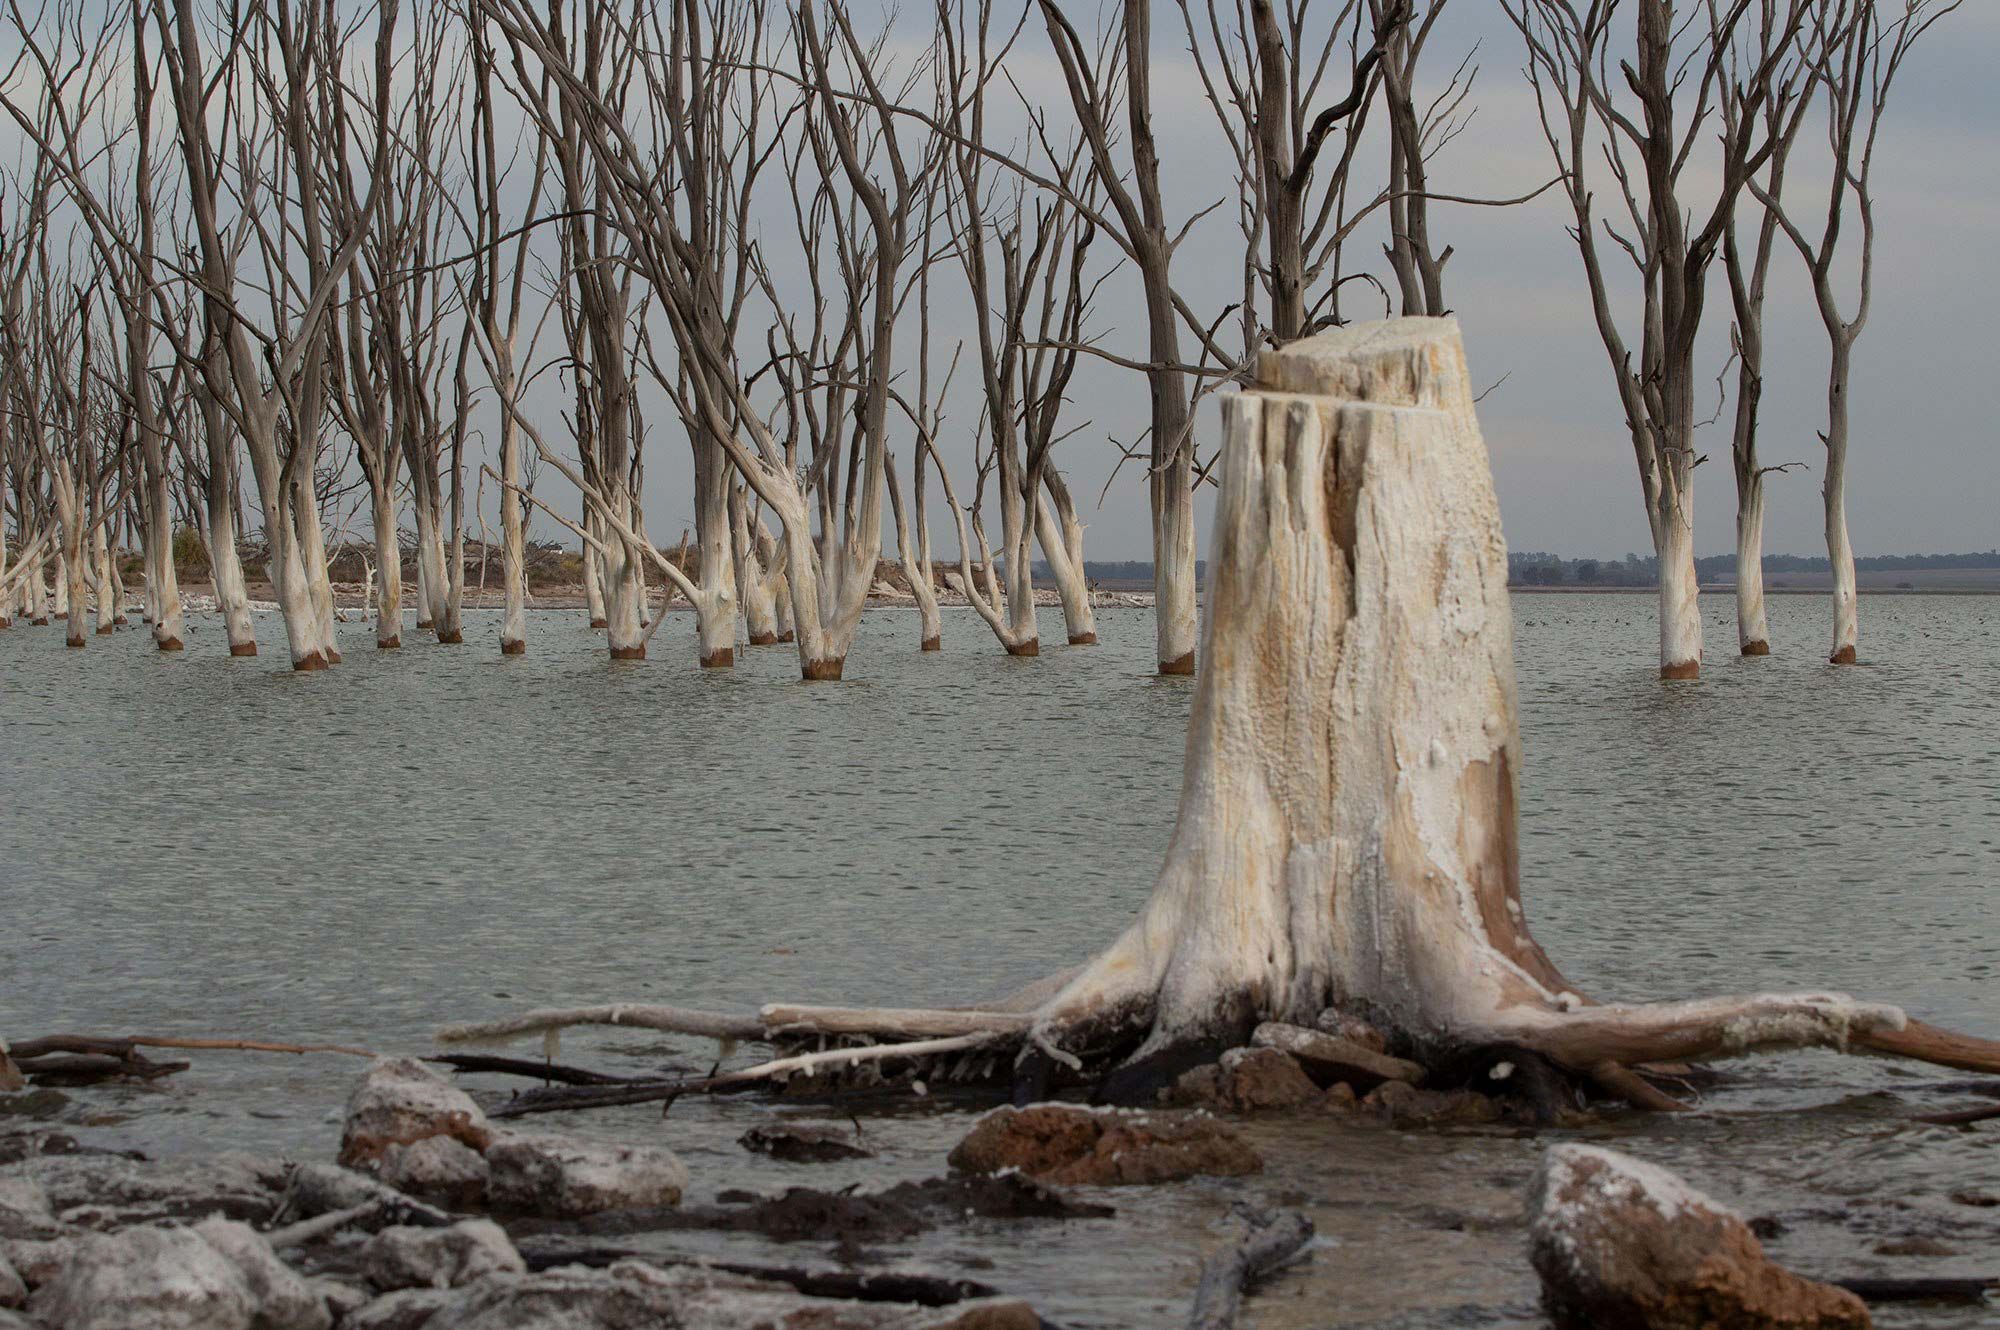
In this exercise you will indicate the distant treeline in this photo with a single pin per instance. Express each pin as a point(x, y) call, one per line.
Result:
point(1538, 568)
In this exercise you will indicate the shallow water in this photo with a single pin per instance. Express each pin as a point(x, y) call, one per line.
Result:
point(197, 845)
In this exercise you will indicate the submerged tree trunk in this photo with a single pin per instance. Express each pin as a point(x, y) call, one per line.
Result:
point(1060, 532)
point(1839, 550)
point(1753, 630)
point(389, 559)
point(1680, 591)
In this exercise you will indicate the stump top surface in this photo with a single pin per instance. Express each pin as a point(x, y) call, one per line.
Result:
point(1409, 362)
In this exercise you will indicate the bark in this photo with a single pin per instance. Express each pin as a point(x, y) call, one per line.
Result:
point(1753, 632)
point(1839, 549)
point(225, 565)
point(1060, 531)
point(389, 560)
point(1680, 594)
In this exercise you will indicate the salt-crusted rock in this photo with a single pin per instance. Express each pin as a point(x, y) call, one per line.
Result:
point(24, 1209)
point(791, 1144)
point(1331, 1058)
point(1623, 1245)
point(318, 1189)
point(279, 1299)
point(146, 1279)
point(340, 1298)
point(15, 1321)
point(438, 1169)
point(401, 1101)
point(1351, 1028)
point(1062, 1143)
point(562, 1178)
point(398, 1258)
point(103, 1191)
point(13, 1290)
point(1246, 1080)
point(407, 1309)
point(38, 1261)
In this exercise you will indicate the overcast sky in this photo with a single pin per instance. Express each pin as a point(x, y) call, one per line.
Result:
point(1924, 474)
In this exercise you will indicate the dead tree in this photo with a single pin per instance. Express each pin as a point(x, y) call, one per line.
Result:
point(1749, 280)
point(1856, 52)
point(1647, 133)
point(1347, 839)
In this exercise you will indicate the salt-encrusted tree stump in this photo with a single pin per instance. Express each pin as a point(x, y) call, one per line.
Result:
point(1347, 833)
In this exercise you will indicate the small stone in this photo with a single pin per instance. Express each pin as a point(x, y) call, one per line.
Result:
point(146, 1279)
point(400, 1102)
point(106, 1191)
point(25, 1211)
point(1914, 1247)
point(802, 1145)
point(438, 1169)
point(1329, 1058)
point(1401, 1104)
point(561, 1178)
point(15, 1321)
point(398, 1258)
point(1621, 1243)
point(407, 1309)
point(1061, 1143)
point(1340, 1099)
point(340, 1298)
point(279, 1299)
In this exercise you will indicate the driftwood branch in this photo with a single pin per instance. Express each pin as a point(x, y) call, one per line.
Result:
point(1270, 1239)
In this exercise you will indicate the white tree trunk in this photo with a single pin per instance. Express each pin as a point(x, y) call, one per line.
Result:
point(225, 565)
point(1175, 612)
point(715, 608)
point(513, 539)
point(389, 559)
point(430, 568)
point(110, 597)
point(1839, 549)
point(1680, 594)
point(1753, 631)
point(1060, 532)
point(593, 573)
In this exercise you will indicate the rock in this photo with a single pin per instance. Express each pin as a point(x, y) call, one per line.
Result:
point(1913, 1247)
point(105, 1192)
point(399, 1258)
point(905, 1210)
point(561, 1178)
point(146, 1279)
point(37, 1262)
point(1246, 1080)
point(1062, 1143)
point(11, 1078)
point(319, 1189)
point(405, 1310)
point(802, 1145)
point(438, 1169)
point(1331, 1058)
point(1620, 1243)
point(15, 1321)
point(13, 1289)
point(1401, 1104)
point(25, 1210)
point(340, 1298)
point(1351, 1028)
point(16, 1146)
point(1340, 1099)
point(400, 1102)
point(280, 1299)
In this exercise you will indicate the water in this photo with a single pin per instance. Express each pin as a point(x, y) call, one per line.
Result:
point(196, 845)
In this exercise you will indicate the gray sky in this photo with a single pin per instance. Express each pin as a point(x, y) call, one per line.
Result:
point(1924, 472)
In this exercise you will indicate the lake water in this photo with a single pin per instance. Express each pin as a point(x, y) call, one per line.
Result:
point(195, 845)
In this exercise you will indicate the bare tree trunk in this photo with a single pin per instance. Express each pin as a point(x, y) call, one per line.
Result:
point(1060, 531)
point(225, 564)
point(1753, 632)
point(1839, 550)
point(715, 607)
point(389, 559)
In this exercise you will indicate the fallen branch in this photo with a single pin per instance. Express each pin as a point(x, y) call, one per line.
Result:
point(547, 1020)
point(1272, 1239)
point(610, 1096)
point(1973, 1291)
point(854, 1285)
point(542, 1071)
point(117, 1046)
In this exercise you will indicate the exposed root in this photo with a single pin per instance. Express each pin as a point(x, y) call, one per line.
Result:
point(889, 1022)
point(1927, 1043)
point(548, 1020)
point(1636, 1090)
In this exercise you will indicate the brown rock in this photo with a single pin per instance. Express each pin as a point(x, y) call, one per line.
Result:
point(1246, 1080)
point(1622, 1245)
point(1401, 1104)
point(400, 1102)
point(802, 1145)
point(1331, 1058)
point(1062, 1143)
